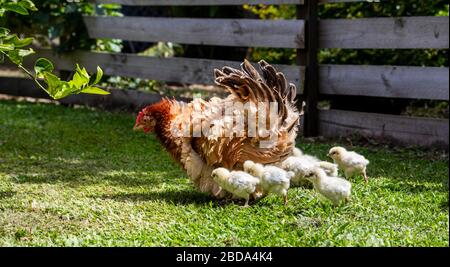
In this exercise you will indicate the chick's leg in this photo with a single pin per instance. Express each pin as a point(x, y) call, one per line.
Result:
point(285, 197)
point(347, 173)
point(218, 192)
point(246, 201)
point(366, 179)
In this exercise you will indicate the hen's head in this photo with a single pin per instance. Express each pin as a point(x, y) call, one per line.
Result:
point(151, 115)
point(145, 121)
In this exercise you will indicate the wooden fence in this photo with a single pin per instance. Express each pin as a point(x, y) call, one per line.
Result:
point(307, 34)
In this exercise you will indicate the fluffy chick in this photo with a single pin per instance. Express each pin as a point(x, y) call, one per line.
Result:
point(330, 168)
point(349, 161)
point(335, 189)
point(297, 152)
point(299, 166)
point(239, 183)
point(273, 179)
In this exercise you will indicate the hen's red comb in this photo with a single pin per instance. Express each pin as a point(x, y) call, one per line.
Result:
point(139, 118)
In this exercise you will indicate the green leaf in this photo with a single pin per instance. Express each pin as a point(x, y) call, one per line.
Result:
point(4, 32)
point(52, 81)
point(15, 8)
point(16, 41)
point(83, 72)
point(79, 81)
point(99, 76)
point(43, 65)
point(28, 4)
point(26, 52)
point(64, 90)
point(17, 55)
point(95, 90)
point(6, 47)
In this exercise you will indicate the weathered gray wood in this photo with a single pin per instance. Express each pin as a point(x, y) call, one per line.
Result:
point(215, 2)
point(345, 1)
point(402, 32)
point(198, 2)
point(118, 99)
point(385, 81)
point(183, 70)
point(19, 86)
point(224, 32)
point(403, 129)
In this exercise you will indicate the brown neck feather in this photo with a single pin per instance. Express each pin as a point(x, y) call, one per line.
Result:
point(162, 112)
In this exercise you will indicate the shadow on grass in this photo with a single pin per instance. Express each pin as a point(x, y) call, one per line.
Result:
point(82, 172)
point(78, 178)
point(182, 197)
point(6, 194)
point(172, 197)
point(444, 205)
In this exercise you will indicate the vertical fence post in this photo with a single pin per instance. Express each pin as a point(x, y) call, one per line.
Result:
point(308, 57)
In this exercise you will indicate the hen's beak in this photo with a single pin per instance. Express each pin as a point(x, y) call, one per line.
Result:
point(138, 127)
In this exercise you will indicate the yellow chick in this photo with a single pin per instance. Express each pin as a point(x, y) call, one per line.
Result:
point(299, 166)
point(239, 183)
point(335, 189)
point(330, 168)
point(349, 161)
point(273, 179)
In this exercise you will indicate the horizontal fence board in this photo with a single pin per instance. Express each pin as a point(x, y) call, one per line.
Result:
point(393, 33)
point(19, 86)
point(132, 100)
point(223, 32)
point(343, 1)
point(198, 2)
point(385, 81)
point(403, 129)
point(182, 70)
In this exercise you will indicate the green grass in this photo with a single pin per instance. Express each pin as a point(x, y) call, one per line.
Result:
point(80, 177)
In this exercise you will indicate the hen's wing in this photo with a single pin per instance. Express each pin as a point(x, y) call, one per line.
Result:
point(248, 87)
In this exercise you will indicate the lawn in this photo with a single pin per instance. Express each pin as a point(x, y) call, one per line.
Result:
point(82, 177)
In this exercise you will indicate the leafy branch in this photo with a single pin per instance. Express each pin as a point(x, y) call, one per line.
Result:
point(14, 48)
